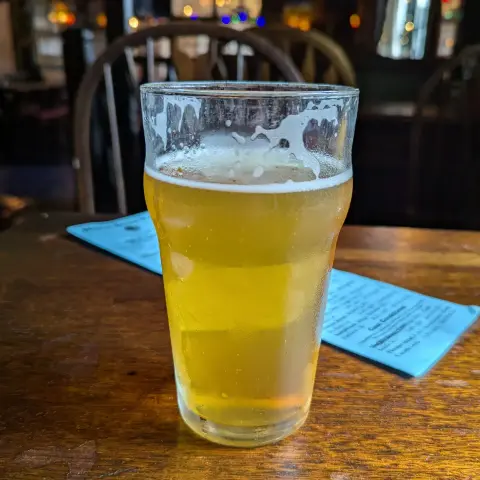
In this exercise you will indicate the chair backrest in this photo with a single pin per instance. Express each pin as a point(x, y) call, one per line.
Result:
point(444, 163)
point(101, 70)
point(339, 68)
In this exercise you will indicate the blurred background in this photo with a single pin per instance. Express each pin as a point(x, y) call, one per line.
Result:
point(415, 62)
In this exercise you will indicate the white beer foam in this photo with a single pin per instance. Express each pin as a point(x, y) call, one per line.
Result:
point(291, 128)
point(287, 187)
point(159, 122)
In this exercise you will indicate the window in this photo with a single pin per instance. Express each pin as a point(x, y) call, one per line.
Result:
point(404, 33)
point(451, 12)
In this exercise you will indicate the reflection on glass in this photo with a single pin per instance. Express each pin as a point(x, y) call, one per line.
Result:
point(404, 31)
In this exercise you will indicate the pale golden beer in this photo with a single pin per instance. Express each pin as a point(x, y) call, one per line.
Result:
point(245, 271)
point(248, 186)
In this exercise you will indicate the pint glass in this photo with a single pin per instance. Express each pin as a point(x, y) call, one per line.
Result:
point(248, 185)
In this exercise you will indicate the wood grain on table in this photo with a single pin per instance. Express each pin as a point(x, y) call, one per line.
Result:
point(87, 388)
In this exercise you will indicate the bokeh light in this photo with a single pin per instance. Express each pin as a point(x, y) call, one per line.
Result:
point(52, 17)
point(293, 21)
point(102, 20)
point(133, 22)
point(304, 24)
point(261, 21)
point(62, 17)
point(355, 20)
point(71, 18)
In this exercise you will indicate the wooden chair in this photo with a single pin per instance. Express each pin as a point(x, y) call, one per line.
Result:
point(101, 71)
point(314, 46)
point(319, 58)
point(444, 163)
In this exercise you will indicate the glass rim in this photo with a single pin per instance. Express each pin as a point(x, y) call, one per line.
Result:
point(231, 89)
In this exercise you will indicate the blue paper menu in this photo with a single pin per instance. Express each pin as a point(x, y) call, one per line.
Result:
point(391, 325)
point(399, 328)
point(132, 238)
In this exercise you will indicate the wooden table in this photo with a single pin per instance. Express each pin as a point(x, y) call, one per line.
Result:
point(87, 388)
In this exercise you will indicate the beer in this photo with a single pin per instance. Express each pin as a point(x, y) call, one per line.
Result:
point(247, 246)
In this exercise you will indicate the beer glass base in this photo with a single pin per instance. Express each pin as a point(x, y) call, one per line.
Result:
point(233, 436)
